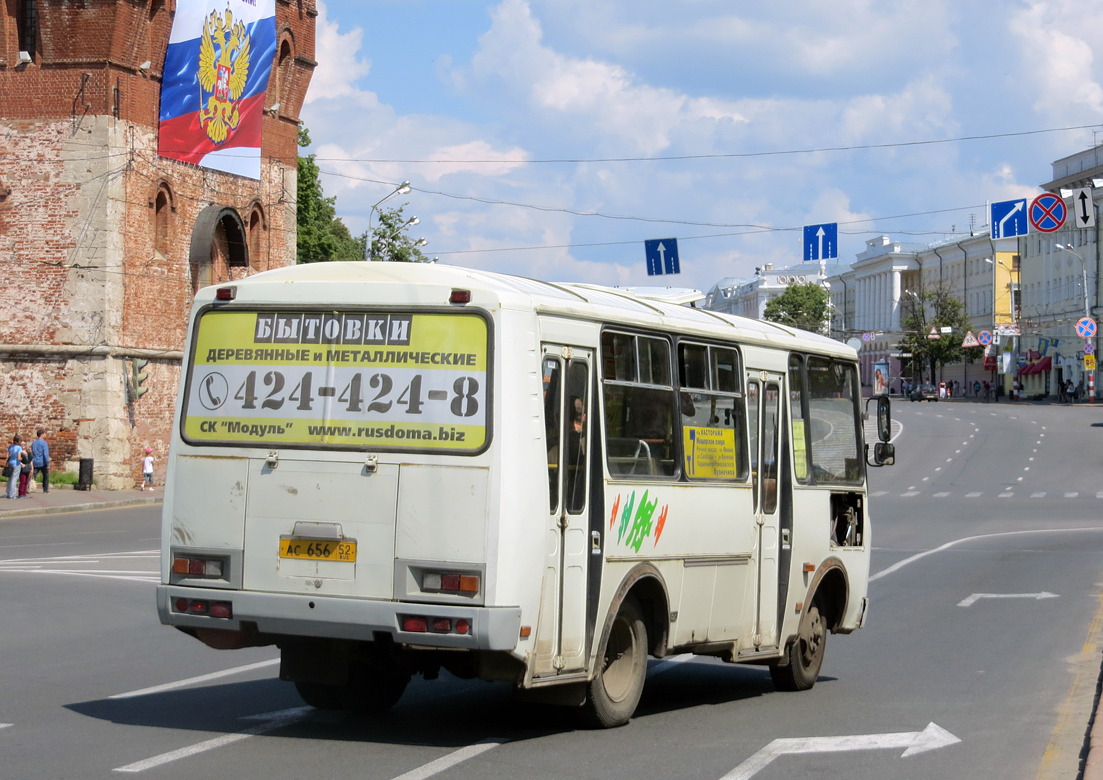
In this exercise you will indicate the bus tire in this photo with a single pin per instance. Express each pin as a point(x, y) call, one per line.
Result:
point(323, 697)
point(805, 654)
point(614, 692)
point(375, 689)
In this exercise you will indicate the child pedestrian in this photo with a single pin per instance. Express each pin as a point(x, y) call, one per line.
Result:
point(147, 470)
point(24, 472)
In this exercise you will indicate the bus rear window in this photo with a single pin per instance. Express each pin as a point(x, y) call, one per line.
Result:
point(344, 379)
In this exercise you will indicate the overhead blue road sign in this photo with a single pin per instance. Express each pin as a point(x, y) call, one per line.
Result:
point(821, 242)
point(662, 256)
point(1008, 218)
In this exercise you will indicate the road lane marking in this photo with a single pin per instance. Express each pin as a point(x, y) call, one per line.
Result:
point(450, 760)
point(276, 720)
point(194, 680)
point(919, 556)
point(667, 664)
point(1071, 495)
point(975, 494)
point(880, 493)
point(1007, 495)
point(1038, 495)
point(909, 493)
point(941, 495)
point(4, 725)
point(913, 742)
point(969, 601)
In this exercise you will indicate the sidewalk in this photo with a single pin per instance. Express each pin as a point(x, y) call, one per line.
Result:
point(60, 499)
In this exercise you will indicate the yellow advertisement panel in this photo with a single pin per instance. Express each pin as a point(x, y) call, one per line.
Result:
point(800, 450)
point(381, 380)
point(709, 452)
point(1089, 362)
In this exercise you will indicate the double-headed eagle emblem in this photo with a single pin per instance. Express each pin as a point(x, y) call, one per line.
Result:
point(223, 70)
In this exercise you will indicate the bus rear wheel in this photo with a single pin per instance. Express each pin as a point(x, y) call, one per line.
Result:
point(614, 692)
point(370, 689)
point(805, 654)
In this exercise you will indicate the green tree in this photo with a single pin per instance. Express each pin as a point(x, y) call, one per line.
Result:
point(801, 306)
point(391, 240)
point(935, 308)
point(321, 234)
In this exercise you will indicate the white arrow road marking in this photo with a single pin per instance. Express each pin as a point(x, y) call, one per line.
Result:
point(662, 257)
point(450, 760)
point(820, 234)
point(273, 721)
point(971, 600)
point(914, 742)
point(1009, 215)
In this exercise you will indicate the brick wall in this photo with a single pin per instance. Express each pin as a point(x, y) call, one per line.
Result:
point(94, 273)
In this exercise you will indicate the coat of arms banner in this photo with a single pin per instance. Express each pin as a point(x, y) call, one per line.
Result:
point(216, 72)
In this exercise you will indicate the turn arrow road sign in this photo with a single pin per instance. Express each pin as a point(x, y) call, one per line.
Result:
point(913, 742)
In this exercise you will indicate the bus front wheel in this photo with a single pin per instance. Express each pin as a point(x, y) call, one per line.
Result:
point(614, 692)
point(805, 654)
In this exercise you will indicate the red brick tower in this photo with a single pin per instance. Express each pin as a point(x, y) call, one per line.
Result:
point(103, 243)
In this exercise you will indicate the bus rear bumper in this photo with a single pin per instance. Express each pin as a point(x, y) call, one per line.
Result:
point(281, 614)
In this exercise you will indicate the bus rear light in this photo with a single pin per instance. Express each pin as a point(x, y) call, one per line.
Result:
point(442, 625)
point(460, 296)
point(216, 609)
point(225, 293)
point(197, 567)
point(462, 626)
point(450, 583)
point(416, 624)
point(435, 625)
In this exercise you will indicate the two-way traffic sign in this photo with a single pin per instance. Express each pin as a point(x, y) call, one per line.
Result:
point(1008, 218)
point(821, 242)
point(1083, 215)
point(662, 256)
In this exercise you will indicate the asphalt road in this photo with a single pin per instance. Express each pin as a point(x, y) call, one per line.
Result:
point(986, 508)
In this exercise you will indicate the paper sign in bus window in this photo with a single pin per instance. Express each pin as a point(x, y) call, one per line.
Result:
point(709, 452)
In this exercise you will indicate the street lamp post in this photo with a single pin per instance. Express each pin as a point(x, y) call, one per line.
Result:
point(401, 189)
point(1087, 309)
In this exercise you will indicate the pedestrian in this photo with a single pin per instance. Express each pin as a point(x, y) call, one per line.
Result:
point(976, 388)
point(147, 470)
point(987, 392)
point(1070, 391)
point(13, 465)
point(24, 472)
point(40, 459)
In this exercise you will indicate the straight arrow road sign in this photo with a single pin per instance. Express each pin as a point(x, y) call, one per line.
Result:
point(974, 598)
point(913, 742)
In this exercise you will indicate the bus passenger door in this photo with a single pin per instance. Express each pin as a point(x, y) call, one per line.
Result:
point(561, 632)
point(764, 409)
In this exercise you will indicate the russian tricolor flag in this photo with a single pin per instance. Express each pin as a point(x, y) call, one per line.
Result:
point(219, 57)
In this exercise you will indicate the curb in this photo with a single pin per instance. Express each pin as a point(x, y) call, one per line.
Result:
point(57, 510)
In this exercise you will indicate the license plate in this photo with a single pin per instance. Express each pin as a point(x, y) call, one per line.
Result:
point(318, 549)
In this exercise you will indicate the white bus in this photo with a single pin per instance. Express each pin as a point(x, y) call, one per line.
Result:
point(385, 468)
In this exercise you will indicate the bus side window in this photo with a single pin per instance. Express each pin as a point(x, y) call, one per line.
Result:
point(752, 429)
point(577, 425)
point(552, 405)
point(638, 405)
point(799, 411)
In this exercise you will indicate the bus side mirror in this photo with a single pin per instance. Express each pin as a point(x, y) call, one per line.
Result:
point(884, 418)
point(884, 454)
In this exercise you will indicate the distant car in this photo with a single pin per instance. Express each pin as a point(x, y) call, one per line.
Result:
point(924, 393)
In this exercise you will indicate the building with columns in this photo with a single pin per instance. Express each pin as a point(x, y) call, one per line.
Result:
point(748, 297)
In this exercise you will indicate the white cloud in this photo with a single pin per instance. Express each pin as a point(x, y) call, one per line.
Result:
point(585, 94)
point(339, 69)
point(1058, 60)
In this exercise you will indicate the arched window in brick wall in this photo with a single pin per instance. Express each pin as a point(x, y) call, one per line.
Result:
point(285, 61)
point(257, 236)
point(27, 20)
point(218, 244)
point(164, 209)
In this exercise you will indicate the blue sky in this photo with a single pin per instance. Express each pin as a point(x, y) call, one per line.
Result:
point(513, 121)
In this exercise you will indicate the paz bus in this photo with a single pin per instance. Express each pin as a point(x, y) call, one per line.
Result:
point(386, 469)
